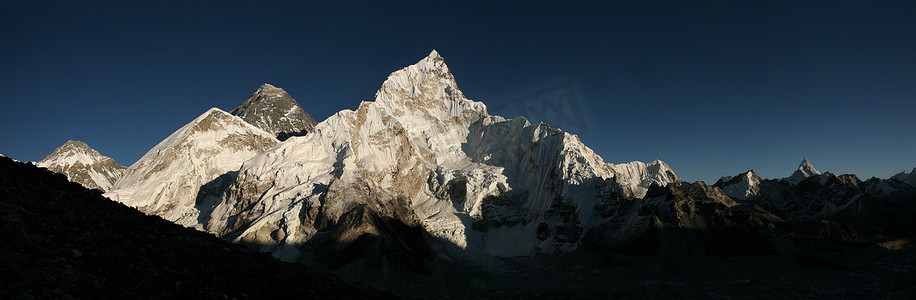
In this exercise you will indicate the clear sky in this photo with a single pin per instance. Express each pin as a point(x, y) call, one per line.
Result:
point(712, 88)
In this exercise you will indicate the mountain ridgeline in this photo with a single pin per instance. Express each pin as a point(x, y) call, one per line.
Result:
point(421, 178)
point(63, 241)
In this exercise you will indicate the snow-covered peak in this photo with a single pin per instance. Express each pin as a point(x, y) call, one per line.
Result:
point(425, 81)
point(805, 170)
point(167, 179)
point(83, 165)
point(72, 153)
point(908, 177)
point(745, 186)
point(425, 154)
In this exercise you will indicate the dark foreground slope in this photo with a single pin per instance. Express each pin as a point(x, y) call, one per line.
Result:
point(62, 241)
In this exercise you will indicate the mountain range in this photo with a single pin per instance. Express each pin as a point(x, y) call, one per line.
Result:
point(421, 178)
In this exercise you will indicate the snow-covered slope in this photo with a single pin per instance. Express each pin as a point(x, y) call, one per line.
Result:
point(805, 170)
point(745, 186)
point(273, 110)
point(83, 165)
point(166, 181)
point(907, 177)
point(424, 155)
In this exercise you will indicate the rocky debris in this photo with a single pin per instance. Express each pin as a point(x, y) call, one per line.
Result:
point(275, 111)
point(84, 165)
point(62, 241)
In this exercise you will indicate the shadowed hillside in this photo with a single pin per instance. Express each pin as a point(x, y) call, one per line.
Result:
point(63, 241)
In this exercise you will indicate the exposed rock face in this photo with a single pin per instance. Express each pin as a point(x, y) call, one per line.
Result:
point(83, 165)
point(275, 111)
point(166, 181)
point(424, 156)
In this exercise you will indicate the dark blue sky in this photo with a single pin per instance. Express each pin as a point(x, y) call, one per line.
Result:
point(712, 88)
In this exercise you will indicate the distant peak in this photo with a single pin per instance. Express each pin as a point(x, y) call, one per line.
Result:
point(434, 54)
point(806, 166)
point(805, 170)
point(75, 143)
point(71, 153)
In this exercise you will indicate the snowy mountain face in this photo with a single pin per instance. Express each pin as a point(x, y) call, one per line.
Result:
point(83, 165)
point(745, 186)
point(805, 170)
point(821, 204)
point(275, 111)
point(168, 179)
point(424, 156)
point(906, 177)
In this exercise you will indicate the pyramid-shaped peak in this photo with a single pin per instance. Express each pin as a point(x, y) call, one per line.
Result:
point(73, 146)
point(429, 79)
point(275, 111)
point(807, 167)
point(805, 170)
point(72, 153)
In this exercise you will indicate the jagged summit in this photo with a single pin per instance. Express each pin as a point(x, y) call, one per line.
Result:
point(83, 165)
point(428, 80)
point(805, 170)
point(274, 110)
